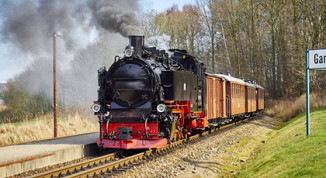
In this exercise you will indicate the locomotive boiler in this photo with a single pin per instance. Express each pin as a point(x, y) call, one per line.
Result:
point(149, 97)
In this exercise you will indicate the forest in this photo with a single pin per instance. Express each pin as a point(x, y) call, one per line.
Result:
point(257, 40)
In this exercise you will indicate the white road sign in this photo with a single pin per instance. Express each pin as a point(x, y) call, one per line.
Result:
point(317, 59)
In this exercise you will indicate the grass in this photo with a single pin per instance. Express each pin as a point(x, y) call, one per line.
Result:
point(42, 128)
point(290, 153)
point(240, 152)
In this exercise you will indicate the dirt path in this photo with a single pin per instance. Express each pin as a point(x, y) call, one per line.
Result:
point(218, 156)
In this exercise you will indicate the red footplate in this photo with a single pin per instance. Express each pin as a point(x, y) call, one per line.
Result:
point(133, 143)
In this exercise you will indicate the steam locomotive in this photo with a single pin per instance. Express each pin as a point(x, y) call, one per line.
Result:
point(150, 97)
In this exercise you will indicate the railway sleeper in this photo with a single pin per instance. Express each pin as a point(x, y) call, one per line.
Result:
point(107, 166)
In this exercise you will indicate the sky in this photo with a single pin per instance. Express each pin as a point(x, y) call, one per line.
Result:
point(161, 5)
point(12, 62)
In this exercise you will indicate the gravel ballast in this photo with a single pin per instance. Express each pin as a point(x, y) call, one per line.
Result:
point(219, 155)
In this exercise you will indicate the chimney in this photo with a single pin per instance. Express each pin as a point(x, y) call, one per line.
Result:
point(137, 42)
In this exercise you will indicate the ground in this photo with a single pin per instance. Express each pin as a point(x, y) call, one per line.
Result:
point(220, 155)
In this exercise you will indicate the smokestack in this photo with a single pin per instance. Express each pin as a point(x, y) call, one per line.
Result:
point(137, 42)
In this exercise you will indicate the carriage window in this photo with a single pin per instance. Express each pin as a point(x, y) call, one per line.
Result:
point(252, 94)
point(239, 90)
point(231, 89)
point(235, 87)
point(234, 91)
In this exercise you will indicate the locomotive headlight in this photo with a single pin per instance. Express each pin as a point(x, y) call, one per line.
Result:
point(96, 107)
point(129, 51)
point(161, 107)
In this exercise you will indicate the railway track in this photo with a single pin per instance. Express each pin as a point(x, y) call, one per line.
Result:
point(111, 163)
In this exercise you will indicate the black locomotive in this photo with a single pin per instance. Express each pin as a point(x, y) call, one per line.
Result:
point(149, 97)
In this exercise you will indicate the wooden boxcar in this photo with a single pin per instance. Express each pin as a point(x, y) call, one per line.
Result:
point(228, 97)
point(215, 97)
point(225, 96)
point(235, 93)
point(251, 98)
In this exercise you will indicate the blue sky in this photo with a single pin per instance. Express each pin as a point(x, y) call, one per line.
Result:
point(161, 5)
point(12, 62)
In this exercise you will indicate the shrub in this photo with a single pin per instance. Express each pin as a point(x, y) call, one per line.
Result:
point(286, 109)
point(22, 106)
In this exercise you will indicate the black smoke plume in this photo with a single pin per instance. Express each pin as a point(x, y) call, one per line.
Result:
point(117, 16)
point(93, 33)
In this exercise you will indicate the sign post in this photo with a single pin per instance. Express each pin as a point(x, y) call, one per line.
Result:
point(315, 60)
point(307, 95)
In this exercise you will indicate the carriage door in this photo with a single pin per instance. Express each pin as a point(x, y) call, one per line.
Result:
point(227, 106)
point(220, 98)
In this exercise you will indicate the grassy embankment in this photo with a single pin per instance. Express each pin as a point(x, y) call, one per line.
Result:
point(42, 128)
point(290, 153)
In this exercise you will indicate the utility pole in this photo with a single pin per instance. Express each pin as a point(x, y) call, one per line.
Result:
point(55, 85)
point(55, 105)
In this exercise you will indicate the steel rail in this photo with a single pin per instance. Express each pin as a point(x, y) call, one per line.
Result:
point(76, 170)
point(77, 167)
point(114, 165)
point(106, 168)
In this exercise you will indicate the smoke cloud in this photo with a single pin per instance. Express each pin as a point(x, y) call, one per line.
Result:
point(117, 16)
point(93, 33)
point(29, 24)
